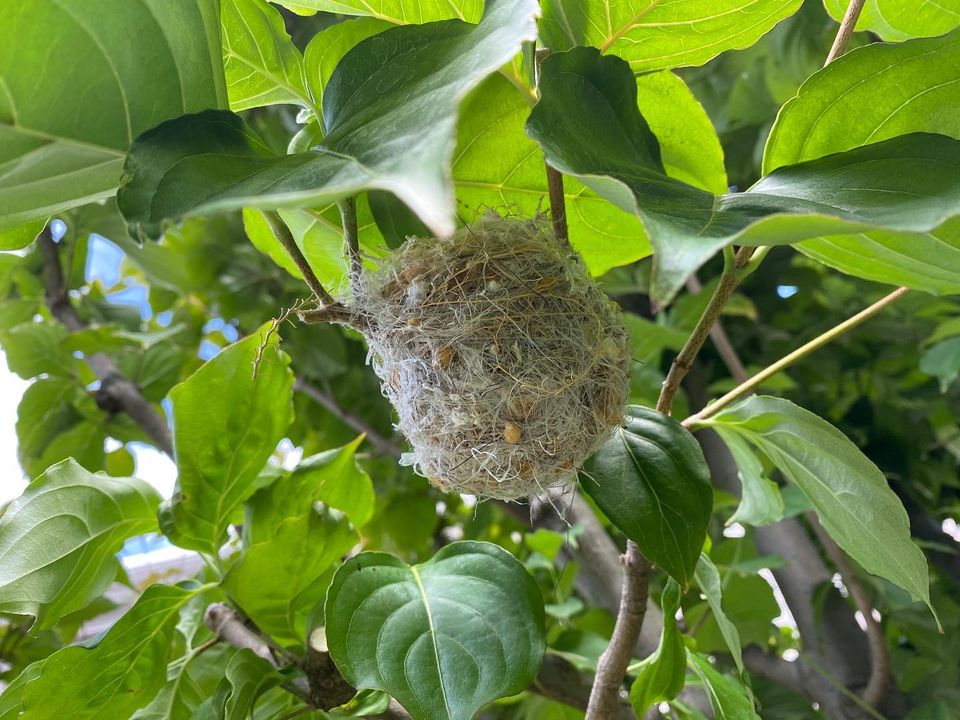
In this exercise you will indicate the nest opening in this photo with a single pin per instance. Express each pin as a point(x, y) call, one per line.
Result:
point(506, 364)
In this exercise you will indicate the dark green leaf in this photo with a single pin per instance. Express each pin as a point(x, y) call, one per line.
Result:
point(117, 676)
point(120, 67)
point(470, 620)
point(395, 220)
point(392, 85)
point(228, 418)
point(761, 502)
point(261, 63)
point(708, 580)
point(58, 539)
point(897, 20)
point(651, 480)
point(654, 35)
point(909, 183)
point(278, 582)
point(730, 700)
point(661, 676)
point(247, 677)
point(850, 494)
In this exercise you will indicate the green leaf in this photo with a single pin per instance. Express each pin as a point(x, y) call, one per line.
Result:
point(470, 621)
point(261, 63)
point(389, 86)
point(37, 348)
point(279, 581)
point(117, 676)
point(909, 183)
point(942, 361)
point(335, 478)
point(191, 679)
point(708, 580)
point(398, 12)
point(651, 480)
point(227, 418)
point(58, 539)
point(661, 676)
point(891, 90)
point(327, 48)
point(247, 676)
point(748, 603)
point(897, 20)
point(11, 699)
point(730, 700)
point(18, 237)
point(652, 35)
point(850, 494)
point(761, 502)
point(142, 63)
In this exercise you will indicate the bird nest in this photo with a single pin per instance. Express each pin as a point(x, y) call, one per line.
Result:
point(507, 365)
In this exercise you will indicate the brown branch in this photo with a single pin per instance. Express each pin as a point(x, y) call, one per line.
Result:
point(684, 360)
point(561, 682)
point(604, 695)
point(876, 688)
point(285, 238)
point(382, 444)
point(847, 26)
point(230, 626)
point(558, 207)
point(116, 393)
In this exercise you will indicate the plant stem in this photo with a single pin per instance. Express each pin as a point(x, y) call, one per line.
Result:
point(847, 26)
point(351, 237)
point(558, 208)
point(283, 235)
point(750, 385)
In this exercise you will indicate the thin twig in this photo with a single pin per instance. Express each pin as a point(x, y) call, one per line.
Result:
point(878, 683)
point(684, 360)
point(818, 342)
point(382, 444)
point(351, 236)
point(285, 238)
point(116, 393)
point(847, 26)
point(721, 341)
point(558, 208)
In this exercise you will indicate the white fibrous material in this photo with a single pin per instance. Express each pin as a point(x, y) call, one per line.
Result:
point(507, 365)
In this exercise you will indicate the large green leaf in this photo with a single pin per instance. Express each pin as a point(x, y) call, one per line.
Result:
point(120, 674)
point(246, 677)
point(902, 19)
point(261, 63)
point(445, 637)
point(849, 493)
point(227, 418)
point(58, 539)
point(81, 79)
point(190, 681)
point(398, 12)
point(652, 35)
point(890, 90)
point(497, 166)
point(382, 95)
point(279, 581)
point(651, 480)
point(909, 183)
point(730, 700)
point(661, 676)
point(761, 502)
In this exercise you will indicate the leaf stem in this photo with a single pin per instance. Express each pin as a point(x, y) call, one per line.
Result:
point(818, 342)
point(283, 235)
point(351, 237)
point(847, 26)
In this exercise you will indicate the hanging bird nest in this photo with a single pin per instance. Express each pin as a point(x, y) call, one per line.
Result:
point(507, 365)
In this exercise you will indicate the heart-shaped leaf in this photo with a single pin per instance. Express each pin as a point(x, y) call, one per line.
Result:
point(391, 112)
point(58, 539)
point(588, 125)
point(445, 637)
point(651, 479)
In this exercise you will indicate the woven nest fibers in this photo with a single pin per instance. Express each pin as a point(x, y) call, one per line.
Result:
point(505, 362)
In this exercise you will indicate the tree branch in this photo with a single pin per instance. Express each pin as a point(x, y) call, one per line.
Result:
point(285, 238)
point(721, 341)
point(558, 207)
point(879, 681)
point(116, 392)
point(847, 26)
point(351, 236)
point(382, 444)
